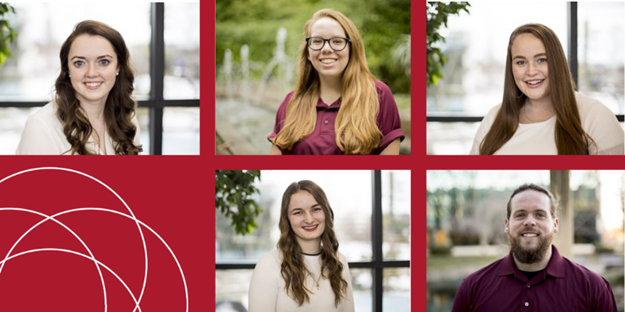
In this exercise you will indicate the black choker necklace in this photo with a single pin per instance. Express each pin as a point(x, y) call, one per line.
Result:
point(305, 254)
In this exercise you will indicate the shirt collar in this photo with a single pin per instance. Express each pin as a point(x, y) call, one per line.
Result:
point(335, 105)
point(555, 267)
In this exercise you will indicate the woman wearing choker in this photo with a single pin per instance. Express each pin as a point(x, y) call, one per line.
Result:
point(306, 272)
point(93, 112)
point(541, 113)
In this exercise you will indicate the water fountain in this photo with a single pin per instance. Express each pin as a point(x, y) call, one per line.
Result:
point(243, 122)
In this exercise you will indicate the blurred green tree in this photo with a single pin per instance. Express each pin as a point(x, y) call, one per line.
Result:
point(7, 34)
point(233, 197)
point(384, 26)
point(437, 15)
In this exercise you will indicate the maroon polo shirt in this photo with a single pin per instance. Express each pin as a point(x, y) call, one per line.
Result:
point(562, 286)
point(322, 141)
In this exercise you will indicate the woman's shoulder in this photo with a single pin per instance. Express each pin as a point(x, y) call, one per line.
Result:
point(45, 115)
point(46, 112)
point(492, 113)
point(591, 106)
point(270, 259)
point(382, 88)
point(341, 257)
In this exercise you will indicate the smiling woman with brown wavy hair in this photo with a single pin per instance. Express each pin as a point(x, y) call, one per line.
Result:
point(93, 111)
point(541, 113)
point(337, 107)
point(306, 272)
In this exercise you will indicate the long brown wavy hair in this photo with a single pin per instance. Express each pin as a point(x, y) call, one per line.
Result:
point(293, 269)
point(119, 108)
point(356, 128)
point(569, 135)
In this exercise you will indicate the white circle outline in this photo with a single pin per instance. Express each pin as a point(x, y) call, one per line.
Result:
point(138, 222)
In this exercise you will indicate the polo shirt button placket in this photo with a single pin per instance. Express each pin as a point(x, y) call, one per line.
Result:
point(326, 121)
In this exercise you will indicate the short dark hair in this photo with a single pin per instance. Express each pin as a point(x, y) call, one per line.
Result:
point(531, 186)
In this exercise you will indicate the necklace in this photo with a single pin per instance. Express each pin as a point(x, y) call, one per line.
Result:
point(316, 281)
point(312, 276)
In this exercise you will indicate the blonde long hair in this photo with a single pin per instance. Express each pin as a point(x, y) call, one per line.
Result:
point(293, 269)
point(356, 128)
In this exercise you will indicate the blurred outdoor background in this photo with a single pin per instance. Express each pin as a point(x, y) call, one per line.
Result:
point(257, 43)
point(27, 77)
point(367, 204)
point(465, 224)
point(475, 49)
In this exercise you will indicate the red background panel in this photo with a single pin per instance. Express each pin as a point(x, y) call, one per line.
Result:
point(171, 195)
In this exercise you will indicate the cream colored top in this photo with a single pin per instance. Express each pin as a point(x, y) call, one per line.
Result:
point(267, 292)
point(539, 138)
point(43, 135)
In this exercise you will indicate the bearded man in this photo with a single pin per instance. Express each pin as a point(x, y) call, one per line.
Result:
point(534, 276)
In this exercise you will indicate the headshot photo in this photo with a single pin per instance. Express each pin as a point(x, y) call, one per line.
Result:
point(286, 244)
point(336, 83)
point(542, 240)
point(546, 82)
point(75, 81)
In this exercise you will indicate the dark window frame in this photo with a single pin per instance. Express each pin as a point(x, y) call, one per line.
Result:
point(377, 263)
point(572, 34)
point(155, 103)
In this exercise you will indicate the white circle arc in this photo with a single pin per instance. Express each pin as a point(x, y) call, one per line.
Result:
point(131, 216)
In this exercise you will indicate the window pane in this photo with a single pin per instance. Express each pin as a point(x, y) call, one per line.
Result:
point(474, 73)
point(349, 193)
point(362, 283)
point(232, 288)
point(30, 73)
point(12, 121)
point(450, 138)
point(181, 131)
point(182, 51)
point(143, 115)
point(601, 52)
point(396, 214)
point(396, 296)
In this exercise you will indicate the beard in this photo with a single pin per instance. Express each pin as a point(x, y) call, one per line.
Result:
point(530, 255)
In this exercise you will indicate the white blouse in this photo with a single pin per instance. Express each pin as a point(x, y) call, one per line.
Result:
point(539, 138)
point(43, 135)
point(268, 293)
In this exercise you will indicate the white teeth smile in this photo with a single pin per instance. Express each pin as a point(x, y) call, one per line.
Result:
point(327, 61)
point(310, 227)
point(529, 235)
point(93, 84)
point(534, 82)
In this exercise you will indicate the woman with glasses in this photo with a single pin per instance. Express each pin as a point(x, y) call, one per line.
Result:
point(337, 106)
point(306, 272)
point(541, 113)
point(93, 112)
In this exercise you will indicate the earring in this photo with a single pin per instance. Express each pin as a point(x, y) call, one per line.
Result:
point(117, 74)
point(506, 230)
point(70, 76)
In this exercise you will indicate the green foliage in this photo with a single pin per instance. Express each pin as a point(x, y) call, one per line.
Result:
point(437, 14)
point(233, 197)
point(7, 34)
point(383, 24)
point(385, 29)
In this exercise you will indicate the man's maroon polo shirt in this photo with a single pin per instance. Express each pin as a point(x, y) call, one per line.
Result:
point(562, 286)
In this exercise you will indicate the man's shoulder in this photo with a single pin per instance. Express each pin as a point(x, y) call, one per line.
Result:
point(577, 271)
point(485, 272)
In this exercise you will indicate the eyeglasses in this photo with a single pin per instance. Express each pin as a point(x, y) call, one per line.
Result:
point(336, 43)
